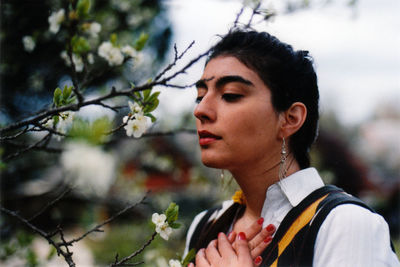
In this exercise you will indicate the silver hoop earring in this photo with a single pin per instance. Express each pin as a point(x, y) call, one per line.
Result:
point(282, 164)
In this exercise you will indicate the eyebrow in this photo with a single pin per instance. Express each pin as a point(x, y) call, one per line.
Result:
point(223, 80)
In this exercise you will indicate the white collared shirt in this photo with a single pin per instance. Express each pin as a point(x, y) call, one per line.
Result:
point(349, 236)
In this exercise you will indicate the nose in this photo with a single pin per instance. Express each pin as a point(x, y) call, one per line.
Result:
point(205, 110)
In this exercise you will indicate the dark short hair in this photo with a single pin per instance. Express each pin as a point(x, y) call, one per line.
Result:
point(288, 74)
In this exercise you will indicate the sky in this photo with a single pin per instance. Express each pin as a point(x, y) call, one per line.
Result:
point(356, 50)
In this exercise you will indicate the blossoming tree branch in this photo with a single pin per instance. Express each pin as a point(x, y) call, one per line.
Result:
point(88, 58)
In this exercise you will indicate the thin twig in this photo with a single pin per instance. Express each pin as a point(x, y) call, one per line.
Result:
point(97, 227)
point(134, 254)
point(11, 137)
point(50, 204)
point(40, 232)
point(176, 58)
point(33, 146)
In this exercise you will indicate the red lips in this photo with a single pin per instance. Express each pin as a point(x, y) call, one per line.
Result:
point(206, 138)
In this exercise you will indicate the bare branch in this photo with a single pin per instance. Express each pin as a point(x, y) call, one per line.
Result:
point(40, 232)
point(11, 137)
point(177, 57)
point(97, 227)
point(134, 254)
point(50, 204)
point(28, 148)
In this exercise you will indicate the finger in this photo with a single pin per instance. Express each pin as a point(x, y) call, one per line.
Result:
point(257, 261)
point(211, 252)
point(258, 250)
point(242, 247)
point(260, 238)
point(231, 237)
point(224, 247)
point(190, 264)
point(254, 228)
point(201, 260)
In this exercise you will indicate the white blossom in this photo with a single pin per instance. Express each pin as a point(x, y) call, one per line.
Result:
point(162, 226)
point(55, 20)
point(134, 107)
point(129, 51)
point(175, 263)
point(164, 231)
point(65, 121)
point(89, 168)
point(158, 219)
point(94, 29)
point(90, 58)
point(78, 62)
point(111, 53)
point(65, 57)
point(29, 43)
point(135, 126)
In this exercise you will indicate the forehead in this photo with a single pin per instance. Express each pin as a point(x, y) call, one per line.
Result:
point(229, 66)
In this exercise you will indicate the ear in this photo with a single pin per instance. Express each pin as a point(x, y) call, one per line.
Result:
point(292, 119)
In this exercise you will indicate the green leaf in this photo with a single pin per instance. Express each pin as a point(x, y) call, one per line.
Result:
point(140, 43)
point(114, 39)
point(57, 97)
point(154, 96)
point(151, 106)
point(146, 94)
point(153, 119)
point(80, 45)
point(172, 213)
point(93, 133)
point(67, 92)
point(31, 258)
point(175, 225)
point(82, 8)
point(52, 253)
point(137, 94)
point(189, 257)
point(55, 120)
point(24, 239)
point(70, 100)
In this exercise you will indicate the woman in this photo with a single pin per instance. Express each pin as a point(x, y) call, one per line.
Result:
point(257, 117)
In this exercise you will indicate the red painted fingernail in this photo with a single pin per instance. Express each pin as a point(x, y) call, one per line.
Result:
point(260, 221)
point(220, 234)
point(258, 260)
point(268, 239)
point(242, 236)
point(270, 228)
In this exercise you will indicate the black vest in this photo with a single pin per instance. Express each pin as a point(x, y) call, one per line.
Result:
point(294, 240)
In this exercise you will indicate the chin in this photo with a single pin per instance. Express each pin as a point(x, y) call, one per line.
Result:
point(213, 162)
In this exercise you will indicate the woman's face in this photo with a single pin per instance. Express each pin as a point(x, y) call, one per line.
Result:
point(236, 122)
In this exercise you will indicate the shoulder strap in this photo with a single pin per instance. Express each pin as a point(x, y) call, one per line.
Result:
point(201, 225)
point(301, 214)
point(325, 207)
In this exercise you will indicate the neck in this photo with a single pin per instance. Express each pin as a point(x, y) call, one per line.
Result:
point(255, 184)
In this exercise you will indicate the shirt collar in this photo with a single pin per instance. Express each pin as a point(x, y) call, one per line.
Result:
point(299, 185)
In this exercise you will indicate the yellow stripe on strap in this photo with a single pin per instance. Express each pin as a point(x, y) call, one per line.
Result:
point(302, 220)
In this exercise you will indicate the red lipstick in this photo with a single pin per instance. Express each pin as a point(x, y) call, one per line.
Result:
point(206, 138)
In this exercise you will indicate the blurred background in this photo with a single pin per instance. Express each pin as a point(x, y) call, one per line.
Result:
point(355, 45)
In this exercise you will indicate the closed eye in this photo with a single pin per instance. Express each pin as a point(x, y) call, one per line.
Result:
point(198, 99)
point(231, 97)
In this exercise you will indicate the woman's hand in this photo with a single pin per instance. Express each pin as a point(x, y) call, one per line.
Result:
point(221, 253)
point(259, 238)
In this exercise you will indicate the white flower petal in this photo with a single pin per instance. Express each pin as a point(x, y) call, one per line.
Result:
point(29, 43)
